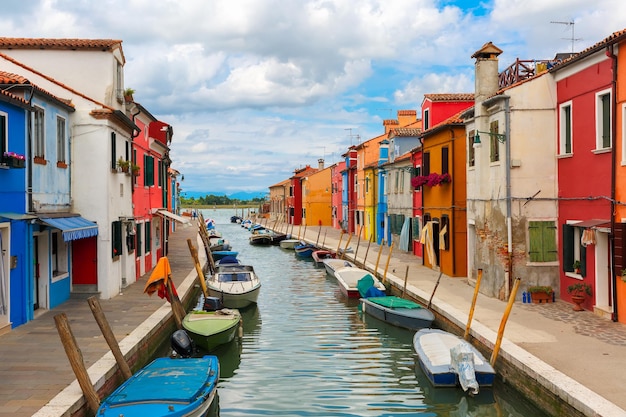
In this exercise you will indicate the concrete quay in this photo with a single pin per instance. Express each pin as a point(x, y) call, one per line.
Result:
point(572, 360)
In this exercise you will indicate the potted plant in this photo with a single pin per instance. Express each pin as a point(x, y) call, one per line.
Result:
point(123, 164)
point(135, 169)
point(13, 160)
point(541, 293)
point(624, 274)
point(128, 95)
point(579, 292)
point(576, 266)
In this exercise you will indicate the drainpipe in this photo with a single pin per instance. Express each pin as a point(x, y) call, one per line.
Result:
point(610, 54)
point(453, 207)
point(507, 137)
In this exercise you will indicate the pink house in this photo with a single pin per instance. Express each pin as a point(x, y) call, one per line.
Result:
point(337, 191)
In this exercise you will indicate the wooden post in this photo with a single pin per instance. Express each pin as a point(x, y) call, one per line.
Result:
point(319, 232)
point(76, 361)
point(435, 289)
point(388, 259)
point(98, 314)
point(358, 242)
point(299, 229)
point(471, 312)
point(339, 243)
point(324, 240)
point(369, 242)
point(346, 248)
point(406, 278)
point(194, 255)
point(380, 251)
point(177, 306)
point(505, 317)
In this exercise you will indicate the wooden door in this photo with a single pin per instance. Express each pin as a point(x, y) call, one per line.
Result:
point(85, 261)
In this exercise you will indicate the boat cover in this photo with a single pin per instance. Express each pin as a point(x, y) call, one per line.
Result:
point(462, 362)
point(391, 301)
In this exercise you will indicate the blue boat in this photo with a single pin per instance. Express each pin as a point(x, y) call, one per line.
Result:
point(305, 250)
point(171, 387)
point(220, 254)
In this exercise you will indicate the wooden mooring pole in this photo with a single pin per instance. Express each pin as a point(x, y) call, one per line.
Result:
point(505, 317)
point(76, 361)
point(98, 314)
point(471, 312)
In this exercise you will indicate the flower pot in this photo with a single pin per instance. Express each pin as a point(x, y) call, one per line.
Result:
point(15, 162)
point(578, 301)
point(540, 297)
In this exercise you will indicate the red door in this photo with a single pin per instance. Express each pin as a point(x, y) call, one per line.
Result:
point(85, 261)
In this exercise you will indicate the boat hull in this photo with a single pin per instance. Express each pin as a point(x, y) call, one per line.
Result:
point(236, 285)
point(289, 243)
point(209, 329)
point(149, 391)
point(319, 255)
point(331, 265)
point(304, 251)
point(408, 318)
point(348, 279)
point(432, 347)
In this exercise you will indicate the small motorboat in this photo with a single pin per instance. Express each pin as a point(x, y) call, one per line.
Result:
point(227, 260)
point(278, 237)
point(172, 387)
point(221, 254)
point(304, 250)
point(321, 254)
point(332, 264)
point(210, 324)
point(235, 219)
point(261, 237)
point(290, 243)
point(349, 277)
point(397, 311)
point(449, 361)
point(236, 285)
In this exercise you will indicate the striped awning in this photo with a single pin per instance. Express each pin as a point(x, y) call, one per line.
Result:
point(74, 227)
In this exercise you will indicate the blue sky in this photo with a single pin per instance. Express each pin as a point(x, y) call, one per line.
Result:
point(255, 89)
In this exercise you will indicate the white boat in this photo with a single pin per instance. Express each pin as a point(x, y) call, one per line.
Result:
point(349, 277)
point(449, 361)
point(290, 243)
point(332, 264)
point(236, 285)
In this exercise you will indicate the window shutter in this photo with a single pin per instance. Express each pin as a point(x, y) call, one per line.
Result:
point(619, 243)
point(139, 247)
point(426, 163)
point(444, 160)
point(568, 248)
point(113, 152)
point(550, 250)
point(148, 237)
point(534, 237)
point(583, 261)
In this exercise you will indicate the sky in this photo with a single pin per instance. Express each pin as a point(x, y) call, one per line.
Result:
point(255, 89)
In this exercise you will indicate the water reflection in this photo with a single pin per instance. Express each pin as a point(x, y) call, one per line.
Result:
point(315, 354)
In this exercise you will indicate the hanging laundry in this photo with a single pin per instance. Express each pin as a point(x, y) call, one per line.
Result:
point(588, 237)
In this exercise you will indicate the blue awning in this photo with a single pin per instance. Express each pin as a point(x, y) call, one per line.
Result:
point(75, 227)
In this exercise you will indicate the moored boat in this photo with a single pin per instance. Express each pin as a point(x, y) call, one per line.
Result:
point(349, 277)
point(332, 264)
point(261, 237)
point(151, 392)
point(236, 285)
point(221, 254)
point(398, 311)
point(449, 361)
point(321, 254)
point(212, 325)
point(290, 243)
point(304, 250)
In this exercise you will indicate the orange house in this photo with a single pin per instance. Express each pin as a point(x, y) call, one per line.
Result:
point(317, 196)
point(443, 182)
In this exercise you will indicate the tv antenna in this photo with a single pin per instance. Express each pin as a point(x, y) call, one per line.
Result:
point(571, 24)
point(351, 135)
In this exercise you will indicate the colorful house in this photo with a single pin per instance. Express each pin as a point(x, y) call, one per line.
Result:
point(278, 200)
point(586, 168)
point(336, 176)
point(294, 201)
point(316, 197)
point(512, 188)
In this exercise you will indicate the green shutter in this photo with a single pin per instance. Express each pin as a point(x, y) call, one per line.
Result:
point(113, 152)
point(550, 250)
point(116, 231)
point(148, 237)
point(568, 248)
point(139, 247)
point(534, 237)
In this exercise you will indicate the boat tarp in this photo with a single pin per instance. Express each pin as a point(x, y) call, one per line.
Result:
point(365, 284)
point(392, 301)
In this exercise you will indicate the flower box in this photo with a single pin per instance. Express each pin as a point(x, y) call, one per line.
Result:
point(12, 162)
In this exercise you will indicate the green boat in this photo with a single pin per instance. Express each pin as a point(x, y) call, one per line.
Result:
point(209, 329)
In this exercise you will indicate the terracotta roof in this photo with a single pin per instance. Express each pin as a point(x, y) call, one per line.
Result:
point(49, 43)
point(407, 112)
point(8, 78)
point(450, 97)
point(12, 98)
point(610, 40)
point(405, 131)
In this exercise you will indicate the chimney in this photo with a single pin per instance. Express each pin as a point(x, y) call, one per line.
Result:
point(383, 152)
point(320, 164)
point(390, 124)
point(406, 117)
point(486, 72)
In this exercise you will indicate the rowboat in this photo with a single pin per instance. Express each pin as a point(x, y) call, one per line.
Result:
point(349, 277)
point(304, 250)
point(289, 243)
point(261, 237)
point(333, 264)
point(321, 254)
point(236, 285)
point(398, 311)
point(449, 361)
point(211, 325)
point(172, 387)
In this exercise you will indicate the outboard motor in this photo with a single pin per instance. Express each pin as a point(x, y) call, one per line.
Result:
point(182, 343)
point(212, 304)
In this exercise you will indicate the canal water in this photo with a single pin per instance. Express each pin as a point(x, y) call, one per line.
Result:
point(308, 351)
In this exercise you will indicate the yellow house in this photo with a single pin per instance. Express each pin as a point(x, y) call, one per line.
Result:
point(278, 200)
point(317, 197)
point(444, 197)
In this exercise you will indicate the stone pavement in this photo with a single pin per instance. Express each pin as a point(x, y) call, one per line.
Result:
point(577, 354)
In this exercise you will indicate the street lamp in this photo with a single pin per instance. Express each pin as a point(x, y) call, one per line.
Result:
point(477, 144)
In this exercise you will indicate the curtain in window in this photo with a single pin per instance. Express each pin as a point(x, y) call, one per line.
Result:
point(405, 234)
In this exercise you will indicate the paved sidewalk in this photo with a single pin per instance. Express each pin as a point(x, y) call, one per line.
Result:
point(576, 352)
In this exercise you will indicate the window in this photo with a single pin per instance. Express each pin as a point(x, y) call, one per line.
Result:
point(160, 173)
point(38, 132)
point(4, 146)
point(116, 230)
point(58, 255)
point(426, 163)
point(471, 152)
point(542, 241)
point(444, 160)
point(157, 232)
point(417, 172)
point(402, 175)
point(603, 120)
point(416, 228)
point(148, 239)
point(426, 119)
point(61, 141)
point(397, 182)
point(573, 250)
point(565, 129)
point(139, 240)
point(494, 144)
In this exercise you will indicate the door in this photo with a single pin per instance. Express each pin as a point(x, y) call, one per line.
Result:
point(85, 261)
point(36, 273)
